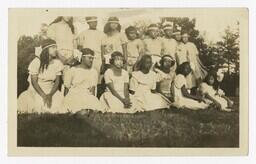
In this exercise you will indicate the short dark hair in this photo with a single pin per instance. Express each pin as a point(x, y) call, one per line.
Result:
point(181, 67)
point(142, 61)
point(107, 28)
point(86, 51)
point(129, 29)
point(115, 54)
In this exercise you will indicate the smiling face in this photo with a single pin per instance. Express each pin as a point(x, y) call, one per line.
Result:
point(167, 63)
point(118, 62)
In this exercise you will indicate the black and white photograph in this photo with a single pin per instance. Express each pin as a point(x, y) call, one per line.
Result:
point(129, 78)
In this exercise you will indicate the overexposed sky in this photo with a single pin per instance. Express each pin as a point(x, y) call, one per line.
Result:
point(212, 22)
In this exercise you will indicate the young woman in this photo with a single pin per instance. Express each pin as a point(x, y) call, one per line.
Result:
point(113, 41)
point(166, 74)
point(153, 44)
point(81, 81)
point(214, 95)
point(62, 31)
point(169, 44)
point(92, 38)
point(198, 70)
point(182, 98)
point(135, 48)
point(44, 76)
point(117, 98)
point(143, 86)
point(180, 54)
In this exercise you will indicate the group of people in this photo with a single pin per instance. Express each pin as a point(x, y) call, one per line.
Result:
point(135, 74)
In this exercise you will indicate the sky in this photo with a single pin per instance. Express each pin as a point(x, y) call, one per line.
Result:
point(211, 22)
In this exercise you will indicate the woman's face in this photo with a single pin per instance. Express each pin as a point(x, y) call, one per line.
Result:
point(93, 25)
point(178, 37)
point(119, 61)
point(147, 63)
point(167, 63)
point(185, 39)
point(187, 70)
point(87, 60)
point(210, 80)
point(52, 51)
point(168, 32)
point(113, 26)
point(153, 33)
point(66, 19)
point(132, 35)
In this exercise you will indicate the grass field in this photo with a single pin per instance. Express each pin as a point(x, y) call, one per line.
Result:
point(160, 128)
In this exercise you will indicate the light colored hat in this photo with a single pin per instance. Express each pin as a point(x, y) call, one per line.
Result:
point(168, 26)
point(91, 19)
point(185, 35)
point(153, 27)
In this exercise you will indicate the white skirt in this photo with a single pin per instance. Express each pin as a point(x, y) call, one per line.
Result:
point(114, 105)
point(190, 104)
point(31, 102)
point(76, 101)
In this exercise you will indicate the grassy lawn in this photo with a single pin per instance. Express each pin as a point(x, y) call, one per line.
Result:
point(160, 128)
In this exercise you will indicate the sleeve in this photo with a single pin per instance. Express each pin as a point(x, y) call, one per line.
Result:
point(155, 80)
point(221, 92)
point(51, 32)
point(126, 77)
point(68, 78)
point(179, 81)
point(133, 83)
point(123, 38)
point(107, 77)
point(34, 66)
point(95, 78)
point(203, 88)
point(59, 68)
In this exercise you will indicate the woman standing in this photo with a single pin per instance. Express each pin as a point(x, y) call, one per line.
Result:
point(62, 31)
point(44, 77)
point(113, 41)
point(81, 82)
point(198, 69)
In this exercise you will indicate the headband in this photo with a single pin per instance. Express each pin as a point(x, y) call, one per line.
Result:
point(38, 50)
point(153, 28)
point(168, 57)
point(113, 21)
point(92, 20)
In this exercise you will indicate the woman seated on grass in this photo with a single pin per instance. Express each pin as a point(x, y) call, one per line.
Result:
point(166, 74)
point(117, 98)
point(143, 86)
point(81, 81)
point(182, 98)
point(213, 94)
point(43, 96)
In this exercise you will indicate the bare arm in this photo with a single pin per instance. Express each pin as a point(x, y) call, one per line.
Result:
point(186, 94)
point(34, 81)
point(55, 85)
point(126, 91)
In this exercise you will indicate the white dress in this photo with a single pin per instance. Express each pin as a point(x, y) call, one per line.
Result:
point(113, 43)
point(165, 81)
point(80, 81)
point(207, 89)
point(62, 34)
point(134, 49)
point(30, 101)
point(92, 39)
point(183, 102)
point(181, 53)
point(154, 48)
point(112, 103)
point(142, 84)
point(198, 70)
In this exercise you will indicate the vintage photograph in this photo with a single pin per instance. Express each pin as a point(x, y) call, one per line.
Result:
point(129, 77)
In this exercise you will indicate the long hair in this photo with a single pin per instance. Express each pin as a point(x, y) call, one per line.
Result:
point(142, 61)
point(108, 30)
point(70, 23)
point(214, 75)
point(44, 60)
